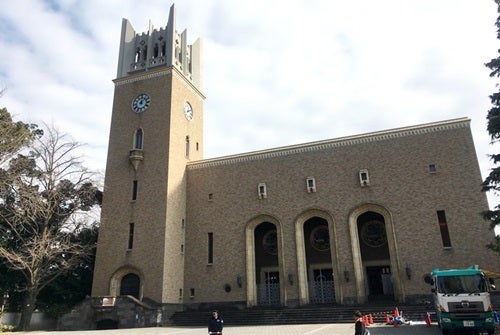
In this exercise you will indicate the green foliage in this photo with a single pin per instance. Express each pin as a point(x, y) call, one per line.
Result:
point(492, 181)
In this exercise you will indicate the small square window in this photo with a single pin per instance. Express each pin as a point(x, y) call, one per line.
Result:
point(210, 196)
point(364, 178)
point(432, 168)
point(310, 185)
point(262, 191)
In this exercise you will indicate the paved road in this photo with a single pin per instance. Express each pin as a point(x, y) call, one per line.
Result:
point(315, 329)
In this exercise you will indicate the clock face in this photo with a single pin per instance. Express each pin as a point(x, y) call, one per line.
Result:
point(188, 111)
point(141, 103)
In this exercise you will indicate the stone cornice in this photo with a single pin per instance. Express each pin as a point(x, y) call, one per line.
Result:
point(145, 75)
point(333, 143)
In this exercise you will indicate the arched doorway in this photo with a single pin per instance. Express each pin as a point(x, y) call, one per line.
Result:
point(130, 285)
point(127, 281)
point(264, 262)
point(375, 256)
point(318, 268)
point(320, 275)
point(267, 264)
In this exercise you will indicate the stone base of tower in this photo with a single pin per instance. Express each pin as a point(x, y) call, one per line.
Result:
point(109, 312)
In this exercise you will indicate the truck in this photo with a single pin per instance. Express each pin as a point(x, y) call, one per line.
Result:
point(462, 299)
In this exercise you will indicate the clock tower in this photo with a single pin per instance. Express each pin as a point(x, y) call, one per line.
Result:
point(156, 129)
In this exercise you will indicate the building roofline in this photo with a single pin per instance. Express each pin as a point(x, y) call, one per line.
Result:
point(463, 122)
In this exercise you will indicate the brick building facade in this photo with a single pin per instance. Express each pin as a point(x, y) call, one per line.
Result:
point(347, 221)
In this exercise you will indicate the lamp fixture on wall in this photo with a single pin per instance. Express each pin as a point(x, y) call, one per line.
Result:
point(408, 272)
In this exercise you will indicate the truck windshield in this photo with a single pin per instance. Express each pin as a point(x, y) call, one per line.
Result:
point(461, 284)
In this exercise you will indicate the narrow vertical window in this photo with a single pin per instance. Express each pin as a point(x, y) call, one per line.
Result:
point(138, 139)
point(262, 190)
point(210, 248)
point(187, 146)
point(131, 236)
point(191, 292)
point(443, 227)
point(134, 190)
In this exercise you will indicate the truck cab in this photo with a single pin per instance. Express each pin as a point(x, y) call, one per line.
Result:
point(462, 299)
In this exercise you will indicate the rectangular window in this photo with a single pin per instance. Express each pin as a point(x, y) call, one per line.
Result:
point(134, 190)
point(210, 248)
point(311, 185)
point(432, 168)
point(262, 190)
point(191, 292)
point(443, 227)
point(364, 179)
point(130, 236)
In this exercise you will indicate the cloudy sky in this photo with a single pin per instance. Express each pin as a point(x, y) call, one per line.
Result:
point(275, 72)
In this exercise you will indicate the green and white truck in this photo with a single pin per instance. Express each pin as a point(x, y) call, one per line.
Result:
point(462, 299)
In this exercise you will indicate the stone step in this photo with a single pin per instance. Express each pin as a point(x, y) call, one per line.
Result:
point(300, 315)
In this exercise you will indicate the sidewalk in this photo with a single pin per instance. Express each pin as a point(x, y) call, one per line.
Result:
point(309, 329)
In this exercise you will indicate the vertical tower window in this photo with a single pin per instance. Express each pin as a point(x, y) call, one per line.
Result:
point(364, 178)
point(138, 139)
point(210, 248)
point(130, 236)
point(191, 293)
point(262, 191)
point(187, 146)
point(443, 227)
point(134, 190)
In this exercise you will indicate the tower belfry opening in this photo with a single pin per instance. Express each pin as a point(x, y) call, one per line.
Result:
point(159, 47)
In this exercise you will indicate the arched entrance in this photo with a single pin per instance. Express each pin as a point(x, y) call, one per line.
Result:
point(265, 279)
point(317, 260)
point(130, 285)
point(375, 254)
point(127, 281)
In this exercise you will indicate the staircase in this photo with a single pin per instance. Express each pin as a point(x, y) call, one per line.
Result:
point(300, 315)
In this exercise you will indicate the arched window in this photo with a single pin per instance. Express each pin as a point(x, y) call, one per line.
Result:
point(138, 139)
point(130, 285)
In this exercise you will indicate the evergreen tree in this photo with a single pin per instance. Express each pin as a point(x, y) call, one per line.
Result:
point(492, 182)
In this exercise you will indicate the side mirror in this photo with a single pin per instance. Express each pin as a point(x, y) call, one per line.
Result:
point(428, 279)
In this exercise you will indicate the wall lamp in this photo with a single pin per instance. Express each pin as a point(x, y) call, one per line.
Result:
point(290, 278)
point(239, 281)
point(346, 275)
point(408, 272)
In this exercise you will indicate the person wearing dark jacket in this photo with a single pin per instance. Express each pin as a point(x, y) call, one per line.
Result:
point(359, 325)
point(215, 324)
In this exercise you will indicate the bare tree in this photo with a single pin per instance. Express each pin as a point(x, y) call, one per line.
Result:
point(44, 195)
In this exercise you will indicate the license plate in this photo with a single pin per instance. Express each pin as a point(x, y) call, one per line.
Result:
point(468, 323)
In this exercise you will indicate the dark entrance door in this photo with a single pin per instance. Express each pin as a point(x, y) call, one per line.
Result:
point(322, 287)
point(379, 281)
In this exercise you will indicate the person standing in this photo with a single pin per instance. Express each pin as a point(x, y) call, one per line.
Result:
point(215, 324)
point(359, 325)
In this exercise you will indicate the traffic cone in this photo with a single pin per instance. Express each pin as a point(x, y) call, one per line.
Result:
point(396, 315)
point(365, 320)
point(387, 319)
point(370, 319)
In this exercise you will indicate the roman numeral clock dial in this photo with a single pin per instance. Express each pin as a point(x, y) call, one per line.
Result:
point(188, 111)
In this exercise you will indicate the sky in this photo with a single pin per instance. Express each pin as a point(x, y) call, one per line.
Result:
point(275, 73)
